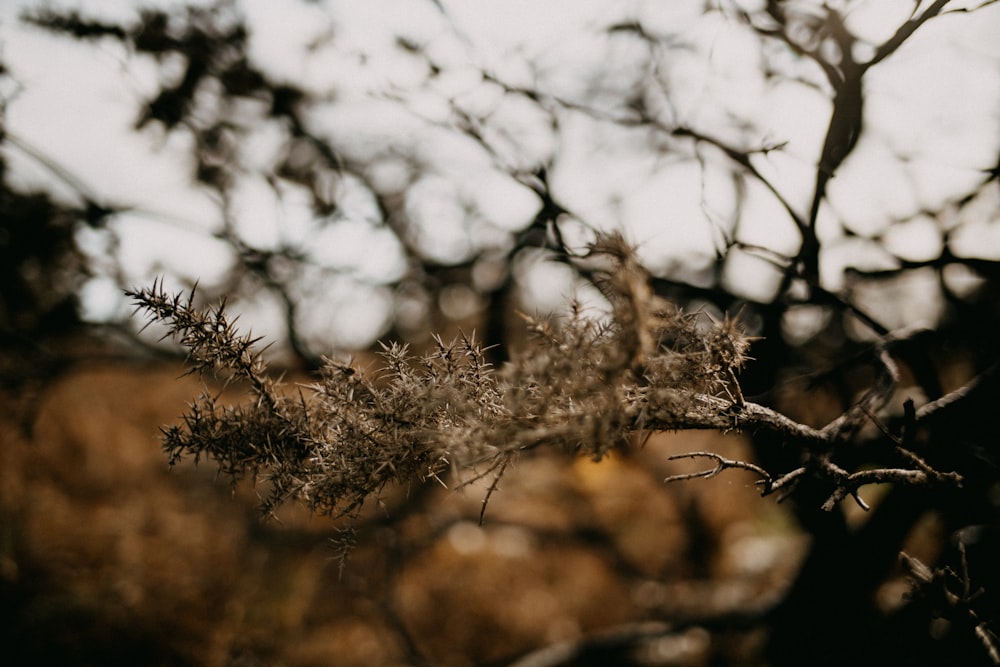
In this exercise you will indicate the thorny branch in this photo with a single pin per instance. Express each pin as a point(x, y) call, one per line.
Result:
point(584, 386)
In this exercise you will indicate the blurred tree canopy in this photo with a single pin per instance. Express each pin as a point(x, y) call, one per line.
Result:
point(458, 159)
point(826, 169)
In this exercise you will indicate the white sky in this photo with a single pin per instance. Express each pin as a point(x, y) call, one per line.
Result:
point(932, 123)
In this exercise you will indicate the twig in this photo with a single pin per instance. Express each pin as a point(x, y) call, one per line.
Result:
point(493, 487)
point(722, 463)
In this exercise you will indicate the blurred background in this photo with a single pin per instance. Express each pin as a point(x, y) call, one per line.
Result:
point(346, 172)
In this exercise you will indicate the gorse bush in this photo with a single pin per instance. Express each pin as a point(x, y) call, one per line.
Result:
point(583, 385)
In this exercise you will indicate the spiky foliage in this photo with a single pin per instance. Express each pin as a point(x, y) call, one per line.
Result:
point(583, 385)
point(580, 386)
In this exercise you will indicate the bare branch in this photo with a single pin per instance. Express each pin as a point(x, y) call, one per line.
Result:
point(939, 409)
point(886, 377)
point(721, 463)
point(904, 32)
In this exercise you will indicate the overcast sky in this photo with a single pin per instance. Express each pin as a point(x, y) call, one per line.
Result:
point(932, 125)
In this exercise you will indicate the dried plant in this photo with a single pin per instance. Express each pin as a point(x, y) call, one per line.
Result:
point(584, 385)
